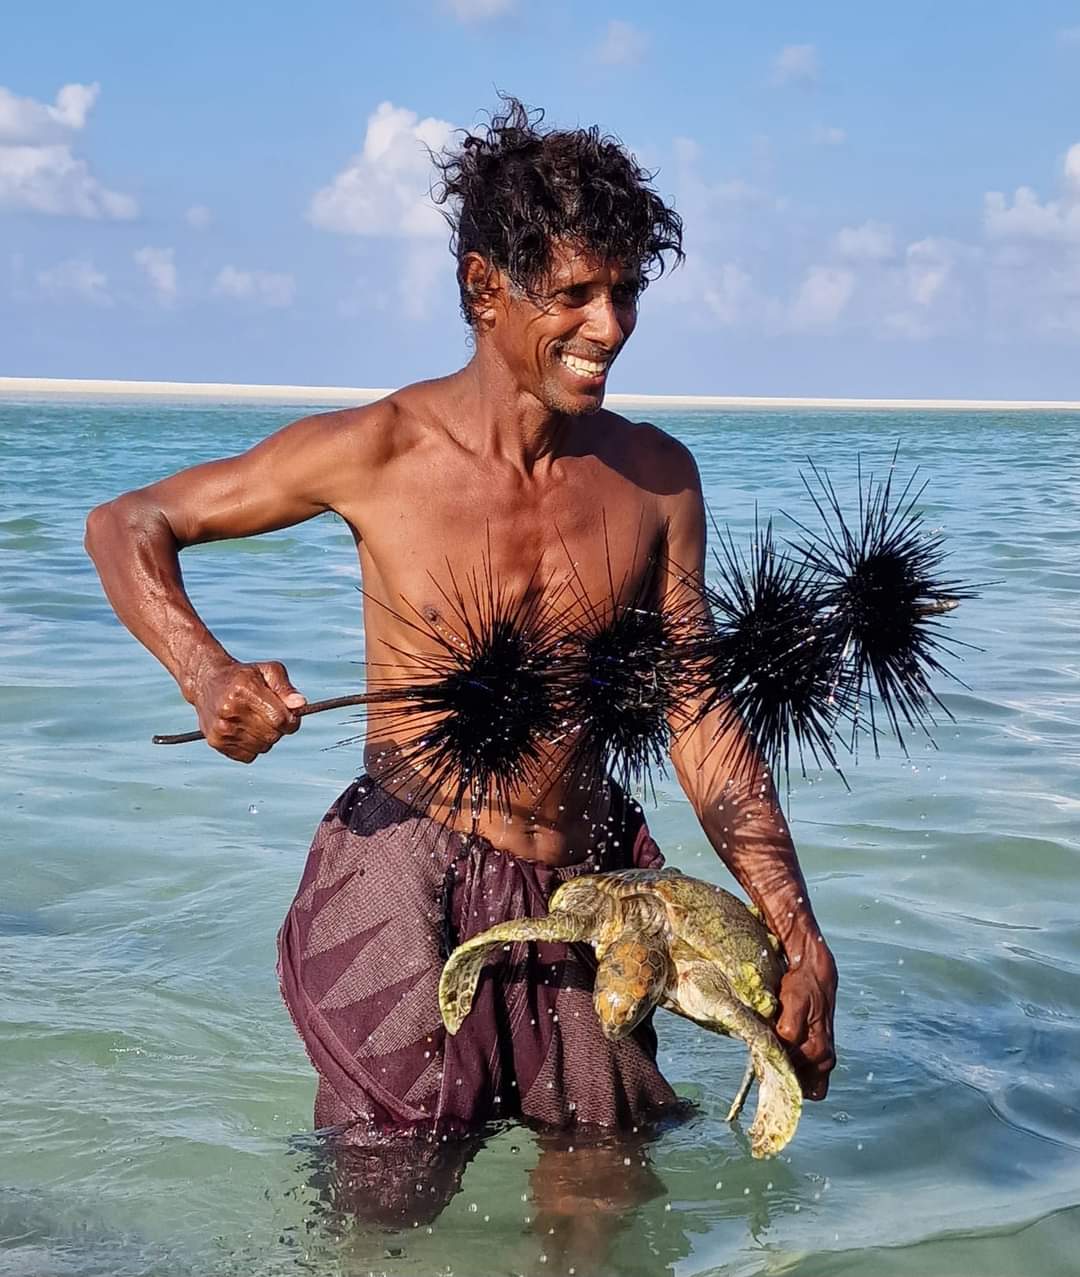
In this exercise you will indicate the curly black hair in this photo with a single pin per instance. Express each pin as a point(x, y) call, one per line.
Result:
point(512, 189)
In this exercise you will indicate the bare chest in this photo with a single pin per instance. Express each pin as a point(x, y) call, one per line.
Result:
point(438, 542)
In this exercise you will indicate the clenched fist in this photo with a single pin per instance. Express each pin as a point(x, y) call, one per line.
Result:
point(245, 709)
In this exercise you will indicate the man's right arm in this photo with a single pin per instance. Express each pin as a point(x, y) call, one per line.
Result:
point(135, 543)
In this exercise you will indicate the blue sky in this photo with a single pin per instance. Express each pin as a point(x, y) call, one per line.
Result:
point(879, 200)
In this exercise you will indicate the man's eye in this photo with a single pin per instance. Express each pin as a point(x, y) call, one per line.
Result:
point(625, 294)
point(575, 296)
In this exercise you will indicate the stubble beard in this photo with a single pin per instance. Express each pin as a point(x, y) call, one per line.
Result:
point(556, 398)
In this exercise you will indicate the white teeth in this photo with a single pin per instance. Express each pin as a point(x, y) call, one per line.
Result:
point(583, 367)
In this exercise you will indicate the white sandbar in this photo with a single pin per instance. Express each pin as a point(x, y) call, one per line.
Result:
point(59, 387)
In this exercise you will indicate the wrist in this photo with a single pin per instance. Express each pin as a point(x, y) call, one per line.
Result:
point(209, 662)
point(808, 953)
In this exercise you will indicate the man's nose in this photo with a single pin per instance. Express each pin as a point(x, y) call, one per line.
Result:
point(603, 325)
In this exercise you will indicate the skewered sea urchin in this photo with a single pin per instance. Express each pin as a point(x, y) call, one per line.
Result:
point(882, 600)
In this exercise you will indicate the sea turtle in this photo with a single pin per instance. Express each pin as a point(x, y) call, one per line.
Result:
point(663, 938)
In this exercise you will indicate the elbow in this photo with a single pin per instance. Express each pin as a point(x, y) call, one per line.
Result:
point(108, 522)
point(97, 523)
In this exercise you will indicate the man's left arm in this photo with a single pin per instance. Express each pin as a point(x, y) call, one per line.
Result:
point(726, 780)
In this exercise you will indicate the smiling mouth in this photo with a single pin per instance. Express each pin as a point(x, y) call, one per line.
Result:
point(586, 369)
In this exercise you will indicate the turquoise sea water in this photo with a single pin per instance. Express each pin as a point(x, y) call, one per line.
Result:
point(155, 1097)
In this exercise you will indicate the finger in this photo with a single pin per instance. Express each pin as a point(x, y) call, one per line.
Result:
point(258, 708)
point(240, 737)
point(817, 1090)
point(816, 1086)
point(277, 679)
point(279, 696)
point(262, 713)
point(791, 1026)
point(813, 1064)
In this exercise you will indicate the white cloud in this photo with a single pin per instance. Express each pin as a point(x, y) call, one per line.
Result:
point(870, 242)
point(1028, 219)
point(263, 287)
point(822, 297)
point(796, 64)
point(623, 44)
point(38, 169)
point(158, 266)
point(479, 10)
point(22, 120)
point(825, 135)
point(929, 265)
point(710, 207)
point(1033, 260)
point(728, 292)
point(385, 189)
point(931, 292)
point(199, 217)
point(76, 277)
point(49, 179)
point(1069, 37)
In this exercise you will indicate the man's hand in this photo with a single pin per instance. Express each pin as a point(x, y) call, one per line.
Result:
point(805, 1026)
point(244, 710)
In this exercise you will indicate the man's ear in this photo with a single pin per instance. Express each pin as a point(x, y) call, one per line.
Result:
point(482, 284)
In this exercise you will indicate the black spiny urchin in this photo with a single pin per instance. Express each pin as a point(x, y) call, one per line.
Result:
point(628, 668)
point(479, 699)
point(768, 664)
point(883, 599)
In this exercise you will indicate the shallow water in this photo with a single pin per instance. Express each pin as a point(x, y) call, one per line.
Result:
point(157, 1103)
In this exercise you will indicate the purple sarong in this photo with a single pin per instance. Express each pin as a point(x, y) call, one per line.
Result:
point(385, 894)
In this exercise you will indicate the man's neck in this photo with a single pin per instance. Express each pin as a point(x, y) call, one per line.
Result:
point(505, 421)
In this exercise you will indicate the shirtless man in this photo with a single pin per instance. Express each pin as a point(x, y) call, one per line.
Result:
point(555, 235)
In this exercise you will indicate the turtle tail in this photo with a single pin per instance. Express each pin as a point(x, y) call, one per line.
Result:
point(460, 976)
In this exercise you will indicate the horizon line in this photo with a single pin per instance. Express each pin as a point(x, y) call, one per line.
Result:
point(68, 386)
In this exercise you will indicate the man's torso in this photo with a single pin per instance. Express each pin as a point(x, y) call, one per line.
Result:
point(437, 509)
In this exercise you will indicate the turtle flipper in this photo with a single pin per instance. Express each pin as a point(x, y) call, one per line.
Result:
point(631, 977)
point(741, 1094)
point(460, 976)
point(705, 996)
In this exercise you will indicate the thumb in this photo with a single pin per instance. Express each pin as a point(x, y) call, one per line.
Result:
point(791, 1026)
point(276, 677)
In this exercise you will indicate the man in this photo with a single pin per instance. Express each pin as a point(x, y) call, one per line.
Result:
point(511, 463)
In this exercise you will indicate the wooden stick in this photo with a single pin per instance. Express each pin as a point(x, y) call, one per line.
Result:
point(383, 697)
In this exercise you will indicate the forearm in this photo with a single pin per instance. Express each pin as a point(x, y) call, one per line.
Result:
point(747, 827)
point(725, 778)
point(137, 558)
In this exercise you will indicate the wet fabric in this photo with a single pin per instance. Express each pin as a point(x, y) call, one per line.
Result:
point(385, 894)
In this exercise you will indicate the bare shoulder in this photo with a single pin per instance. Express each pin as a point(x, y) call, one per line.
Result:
point(370, 433)
point(667, 463)
point(334, 450)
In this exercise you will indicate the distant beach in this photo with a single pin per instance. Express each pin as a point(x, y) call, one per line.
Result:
point(13, 387)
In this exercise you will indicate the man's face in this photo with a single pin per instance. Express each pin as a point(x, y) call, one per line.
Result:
point(561, 346)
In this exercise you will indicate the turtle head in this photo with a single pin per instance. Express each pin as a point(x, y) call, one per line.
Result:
point(582, 895)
